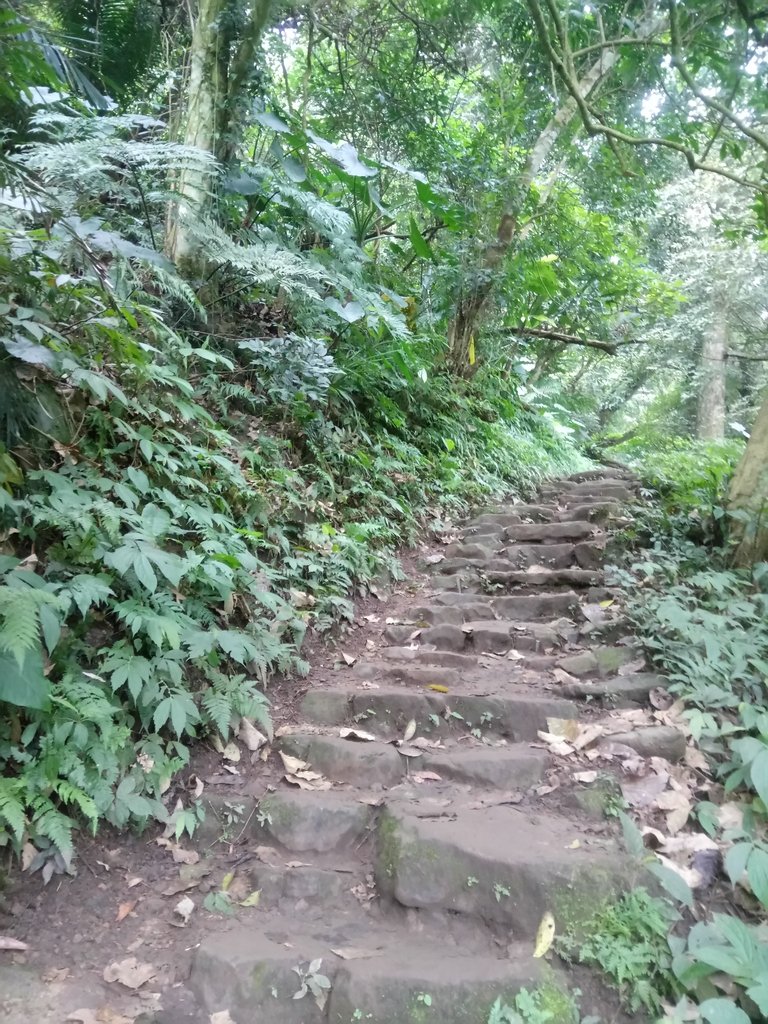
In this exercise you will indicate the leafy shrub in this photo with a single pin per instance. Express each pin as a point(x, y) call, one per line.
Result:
point(627, 941)
point(175, 512)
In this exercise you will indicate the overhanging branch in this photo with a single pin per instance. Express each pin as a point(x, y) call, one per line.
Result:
point(611, 347)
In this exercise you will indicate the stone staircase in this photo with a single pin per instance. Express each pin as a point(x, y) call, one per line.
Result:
point(429, 863)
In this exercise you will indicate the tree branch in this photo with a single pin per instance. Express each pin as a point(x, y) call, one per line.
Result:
point(610, 347)
point(594, 127)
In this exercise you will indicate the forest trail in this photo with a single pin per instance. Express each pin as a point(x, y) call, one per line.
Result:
point(412, 887)
point(433, 863)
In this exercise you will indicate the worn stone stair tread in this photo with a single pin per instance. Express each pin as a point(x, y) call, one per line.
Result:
point(250, 972)
point(653, 741)
point(467, 864)
point(493, 635)
point(528, 607)
point(517, 712)
point(621, 691)
point(550, 532)
point(540, 576)
point(600, 510)
point(515, 766)
point(598, 662)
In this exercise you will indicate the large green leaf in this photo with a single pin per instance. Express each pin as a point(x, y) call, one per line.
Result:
point(25, 685)
point(722, 1011)
point(418, 241)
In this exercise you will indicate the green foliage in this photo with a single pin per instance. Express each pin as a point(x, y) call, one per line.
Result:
point(705, 626)
point(177, 509)
point(547, 1004)
point(627, 941)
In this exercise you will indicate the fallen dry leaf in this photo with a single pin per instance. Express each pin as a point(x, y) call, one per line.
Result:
point(678, 808)
point(564, 677)
point(589, 776)
point(129, 972)
point(124, 909)
point(293, 764)
point(631, 667)
point(6, 942)
point(104, 1015)
point(695, 759)
point(231, 753)
point(352, 953)
point(184, 909)
point(426, 777)
point(133, 880)
point(220, 1017)
point(545, 936)
point(195, 787)
point(644, 790)
point(563, 728)
point(357, 734)
point(250, 736)
point(660, 698)
point(348, 659)
point(182, 856)
point(410, 731)
point(409, 750)
point(316, 782)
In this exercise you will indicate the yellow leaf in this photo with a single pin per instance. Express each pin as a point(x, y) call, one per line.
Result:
point(437, 688)
point(471, 352)
point(227, 880)
point(545, 936)
point(606, 604)
point(252, 900)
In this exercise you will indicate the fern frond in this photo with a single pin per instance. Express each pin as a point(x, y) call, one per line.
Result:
point(12, 814)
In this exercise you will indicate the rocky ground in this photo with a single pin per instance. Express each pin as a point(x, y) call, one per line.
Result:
point(440, 791)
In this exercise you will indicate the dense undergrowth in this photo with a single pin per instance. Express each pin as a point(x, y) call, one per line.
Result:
point(705, 625)
point(183, 492)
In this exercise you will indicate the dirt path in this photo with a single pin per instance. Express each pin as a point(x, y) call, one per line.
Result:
point(428, 828)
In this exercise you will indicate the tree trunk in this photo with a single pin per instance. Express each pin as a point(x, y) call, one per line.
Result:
point(219, 68)
point(710, 422)
point(748, 496)
point(473, 301)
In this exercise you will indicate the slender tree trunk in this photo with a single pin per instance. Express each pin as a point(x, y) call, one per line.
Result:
point(710, 421)
point(474, 298)
point(748, 496)
point(219, 68)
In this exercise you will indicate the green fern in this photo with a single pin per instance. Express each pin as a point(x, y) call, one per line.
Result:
point(20, 619)
point(50, 822)
point(12, 814)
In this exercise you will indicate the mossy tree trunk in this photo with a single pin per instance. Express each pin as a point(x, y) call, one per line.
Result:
point(222, 56)
point(710, 424)
point(748, 496)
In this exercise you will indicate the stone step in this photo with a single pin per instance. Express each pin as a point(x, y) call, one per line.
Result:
point(515, 514)
point(495, 864)
point(593, 511)
point(498, 708)
point(598, 662)
point(612, 472)
point(527, 607)
point(550, 533)
point(446, 611)
point(365, 764)
point(538, 576)
point(617, 691)
point(615, 494)
point(408, 977)
point(494, 636)
point(521, 556)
